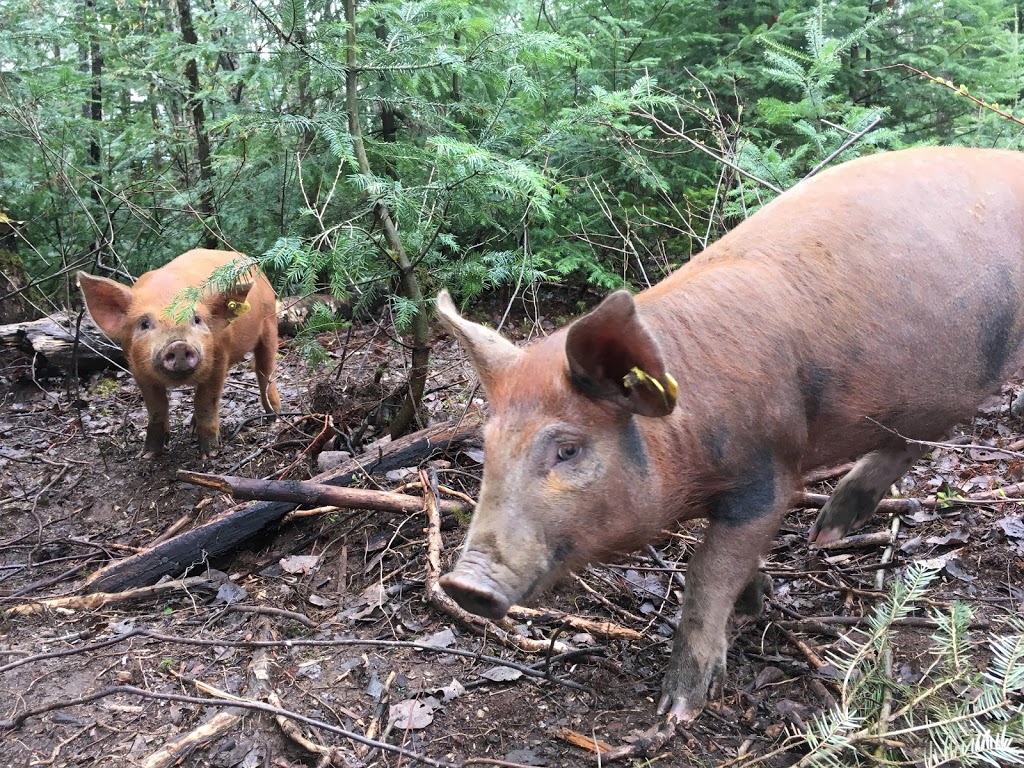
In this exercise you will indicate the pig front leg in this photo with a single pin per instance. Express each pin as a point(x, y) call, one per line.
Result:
point(207, 416)
point(158, 427)
point(857, 495)
point(722, 576)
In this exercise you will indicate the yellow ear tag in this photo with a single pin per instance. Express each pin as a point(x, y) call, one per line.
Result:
point(668, 389)
point(237, 308)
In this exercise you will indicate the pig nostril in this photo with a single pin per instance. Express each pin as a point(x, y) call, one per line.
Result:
point(475, 598)
point(180, 358)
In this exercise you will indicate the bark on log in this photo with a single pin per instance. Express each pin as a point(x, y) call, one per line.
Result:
point(50, 341)
point(194, 548)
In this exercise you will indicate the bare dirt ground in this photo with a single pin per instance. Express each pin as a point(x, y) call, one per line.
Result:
point(319, 618)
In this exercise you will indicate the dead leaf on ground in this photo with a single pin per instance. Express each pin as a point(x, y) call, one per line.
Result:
point(411, 714)
point(304, 564)
point(501, 674)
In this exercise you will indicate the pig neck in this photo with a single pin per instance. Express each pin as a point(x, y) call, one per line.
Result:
point(737, 361)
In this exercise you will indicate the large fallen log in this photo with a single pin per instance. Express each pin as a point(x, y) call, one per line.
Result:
point(50, 341)
point(193, 549)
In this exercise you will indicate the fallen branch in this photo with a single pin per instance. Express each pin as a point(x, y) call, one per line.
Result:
point(580, 624)
point(646, 745)
point(195, 547)
point(310, 493)
point(101, 599)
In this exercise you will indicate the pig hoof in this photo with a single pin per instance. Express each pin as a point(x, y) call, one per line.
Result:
point(475, 597)
point(684, 691)
point(679, 711)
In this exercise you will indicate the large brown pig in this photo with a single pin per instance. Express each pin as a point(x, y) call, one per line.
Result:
point(878, 301)
point(161, 353)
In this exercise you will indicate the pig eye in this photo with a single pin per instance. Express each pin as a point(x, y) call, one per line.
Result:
point(567, 451)
point(145, 324)
point(197, 320)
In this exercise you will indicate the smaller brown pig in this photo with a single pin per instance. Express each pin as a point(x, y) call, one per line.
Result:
point(876, 302)
point(163, 353)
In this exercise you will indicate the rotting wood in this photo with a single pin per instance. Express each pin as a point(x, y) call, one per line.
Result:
point(50, 342)
point(310, 493)
point(195, 547)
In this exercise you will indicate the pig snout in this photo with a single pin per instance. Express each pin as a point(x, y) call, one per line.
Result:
point(472, 584)
point(180, 359)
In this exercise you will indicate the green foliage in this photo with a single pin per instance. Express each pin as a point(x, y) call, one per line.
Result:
point(513, 142)
point(953, 715)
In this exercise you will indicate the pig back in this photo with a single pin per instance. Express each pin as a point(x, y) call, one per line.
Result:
point(881, 297)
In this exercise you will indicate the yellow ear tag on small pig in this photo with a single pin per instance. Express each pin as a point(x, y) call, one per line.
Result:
point(237, 308)
point(667, 389)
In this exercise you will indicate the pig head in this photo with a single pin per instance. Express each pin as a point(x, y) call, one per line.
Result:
point(568, 479)
point(796, 341)
point(165, 351)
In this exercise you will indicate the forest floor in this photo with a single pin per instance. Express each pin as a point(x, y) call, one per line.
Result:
point(120, 682)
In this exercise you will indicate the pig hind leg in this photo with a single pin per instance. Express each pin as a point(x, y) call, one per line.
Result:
point(857, 496)
point(265, 361)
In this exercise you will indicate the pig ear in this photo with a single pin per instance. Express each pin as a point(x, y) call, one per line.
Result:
point(107, 301)
point(232, 303)
point(489, 351)
point(612, 356)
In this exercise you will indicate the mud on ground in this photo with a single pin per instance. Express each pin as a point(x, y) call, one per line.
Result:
point(322, 593)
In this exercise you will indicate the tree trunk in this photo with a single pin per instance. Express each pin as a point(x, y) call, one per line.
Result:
point(195, 107)
point(410, 286)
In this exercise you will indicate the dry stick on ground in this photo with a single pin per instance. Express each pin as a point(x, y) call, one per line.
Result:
point(328, 755)
point(649, 742)
point(177, 749)
point(309, 493)
point(601, 628)
point(100, 599)
point(257, 706)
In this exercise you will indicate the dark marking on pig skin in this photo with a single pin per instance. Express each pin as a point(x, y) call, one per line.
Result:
point(996, 341)
point(562, 550)
point(813, 381)
point(752, 498)
point(633, 446)
point(594, 389)
point(714, 444)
